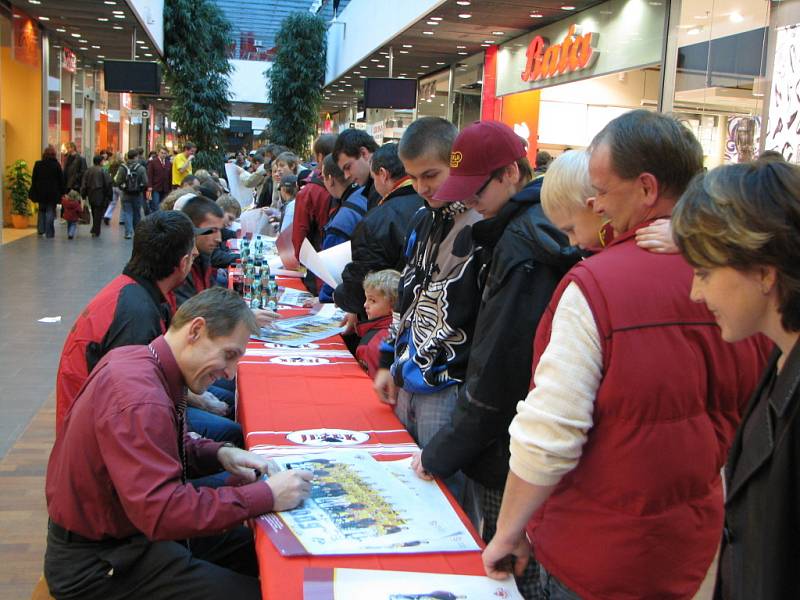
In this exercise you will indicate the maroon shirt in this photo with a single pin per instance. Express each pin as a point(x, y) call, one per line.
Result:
point(115, 470)
point(159, 175)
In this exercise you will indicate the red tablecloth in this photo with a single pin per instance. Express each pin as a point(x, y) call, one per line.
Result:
point(274, 399)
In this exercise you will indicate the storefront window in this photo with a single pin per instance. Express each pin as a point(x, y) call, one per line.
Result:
point(467, 85)
point(719, 91)
point(54, 96)
point(433, 95)
point(77, 112)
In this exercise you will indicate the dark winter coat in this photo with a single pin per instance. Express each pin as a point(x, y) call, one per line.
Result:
point(47, 183)
point(74, 169)
point(97, 186)
point(523, 258)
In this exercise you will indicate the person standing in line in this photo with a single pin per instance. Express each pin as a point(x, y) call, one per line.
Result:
point(47, 186)
point(353, 153)
point(182, 164)
point(132, 181)
point(739, 227)
point(74, 168)
point(617, 450)
point(97, 189)
point(159, 177)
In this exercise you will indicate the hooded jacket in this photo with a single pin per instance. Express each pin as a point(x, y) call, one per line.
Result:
point(427, 347)
point(523, 258)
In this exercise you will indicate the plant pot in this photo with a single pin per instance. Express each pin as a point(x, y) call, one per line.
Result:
point(19, 221)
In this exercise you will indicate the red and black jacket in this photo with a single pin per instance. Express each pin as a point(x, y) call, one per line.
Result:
point(200, 278)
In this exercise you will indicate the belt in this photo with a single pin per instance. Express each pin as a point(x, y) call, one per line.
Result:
point(65, 535)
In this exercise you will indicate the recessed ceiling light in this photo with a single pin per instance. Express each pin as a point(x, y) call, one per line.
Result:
point(432, 22)
point(463, 2)
point(427, 33)
point(536, 16)
point(488, 41)
point(375, 60)
point(362, 76)
point(109, 2)
point(83, 41)
point(117, 12)
point(420, 73)
point(61, 30)
point(381, 66)
point(148, 54)
point(56, 46)
point(436, 18)
point(101, 56)
point(75, 35)
point(498, 33)
point(140, 42)
point(34, 1)
point(103, 19)
point(567, 7)
point(96, 47)
point(348, 85)
point(364, 67)
point(83, 48)
point(485, 45)
point(403, 51)
point(44, 18)
point(464, 16)
point(424, 66)
point(463, 53)
point(440, 63)
point(407, 46)
point(736, 17)
point(119, 16)
point(117, 27)
point(356, 72)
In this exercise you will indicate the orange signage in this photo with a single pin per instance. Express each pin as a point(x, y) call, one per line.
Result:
point(574, 53)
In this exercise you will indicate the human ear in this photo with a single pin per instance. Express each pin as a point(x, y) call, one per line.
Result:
point(590, 203)
point(196, 328)
point(649, 185)
point(769, 278)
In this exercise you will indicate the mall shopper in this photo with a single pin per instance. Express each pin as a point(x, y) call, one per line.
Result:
point(47, 187)
point(159, 180)
point(635, 399)
point(114, 164)
point(543, 160)
point(523, 258)
point(738, 227)
point(424, 357)
point(131, 179)
point(380, 292)
point(379, 240)
point(350, 207)
point(97, 188)
point(353, 152)
point(123, 521)
point(71, 209)
point(182, 164)
point(74, 168)
point(313, 203)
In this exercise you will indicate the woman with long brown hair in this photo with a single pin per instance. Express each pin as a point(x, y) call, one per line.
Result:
point(47, 187)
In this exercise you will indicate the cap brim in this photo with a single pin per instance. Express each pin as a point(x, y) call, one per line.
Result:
point(203, 231)
point(459, 187)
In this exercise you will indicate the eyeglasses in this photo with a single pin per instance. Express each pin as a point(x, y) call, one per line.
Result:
point(484, 186)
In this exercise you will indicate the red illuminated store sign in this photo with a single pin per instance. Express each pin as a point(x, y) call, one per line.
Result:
point(574, 53)
point(70, 63)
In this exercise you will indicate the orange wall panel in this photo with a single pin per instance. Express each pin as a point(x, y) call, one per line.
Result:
point(521, 112)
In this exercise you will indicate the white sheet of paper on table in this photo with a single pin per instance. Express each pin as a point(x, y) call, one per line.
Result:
point(242, 194)
point(328, 264)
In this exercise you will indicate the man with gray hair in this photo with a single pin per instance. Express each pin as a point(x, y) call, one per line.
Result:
point(617, 450)
point(124, 522)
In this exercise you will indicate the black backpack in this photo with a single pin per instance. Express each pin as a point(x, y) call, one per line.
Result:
point(132, 182)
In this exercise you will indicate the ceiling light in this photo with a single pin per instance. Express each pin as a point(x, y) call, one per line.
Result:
point(381, 66)
point(407, 46)
point(536, 16)
point(427, 33)
point(375, 59)
point(140, 42)
point(464, 16)
point(384, 53)
point(117, 27)
point(83, 48)
point(436, 18)
point(348, 85)
point(362, 76)
point(117, 12)
point(364, 67)
point(356, 72)
point(96, 47)
point(101, 56)
point(463, 53)
point(56, 46)
point(34, 1)
point(463, 2)
point(440, 63)
point(432, 22)
point(694, 31)
point(498, 33)
point(119, 16)
point(461, 47)
point(103, 19)
point(736, 17)
point(488, 41)
point(83, 41)
point(75, 35)
point(420, 73)
point(109, 2)
point(567, 7)
point(403, 51)
point(148, 54)
point(61, 30)
point(424, 66)
point(44, 18)
point(485, 45)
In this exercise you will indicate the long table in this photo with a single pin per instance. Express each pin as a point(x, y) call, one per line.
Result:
point(276, 399)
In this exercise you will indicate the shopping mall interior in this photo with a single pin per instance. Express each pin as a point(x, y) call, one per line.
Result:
point(556, 72)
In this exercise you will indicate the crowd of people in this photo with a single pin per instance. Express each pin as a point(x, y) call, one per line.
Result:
point(596, 353)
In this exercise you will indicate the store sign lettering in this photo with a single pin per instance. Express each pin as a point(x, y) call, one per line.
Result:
point(575, 53)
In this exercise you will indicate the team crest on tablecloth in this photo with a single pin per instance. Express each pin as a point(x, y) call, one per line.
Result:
point(326, 437)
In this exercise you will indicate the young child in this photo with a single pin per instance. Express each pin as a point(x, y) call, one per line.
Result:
point(288, 191)
point(380, 289)
point(71, 205)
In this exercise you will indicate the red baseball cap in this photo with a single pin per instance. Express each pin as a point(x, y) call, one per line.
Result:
point(478, 151)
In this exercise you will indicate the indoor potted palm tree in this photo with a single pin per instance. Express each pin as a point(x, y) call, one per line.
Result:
point(18, 181)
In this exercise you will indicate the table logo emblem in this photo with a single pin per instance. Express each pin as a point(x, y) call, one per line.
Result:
point(328, 437)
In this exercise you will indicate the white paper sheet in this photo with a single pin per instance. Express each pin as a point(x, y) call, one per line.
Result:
point(242, 194)
point(328, 264)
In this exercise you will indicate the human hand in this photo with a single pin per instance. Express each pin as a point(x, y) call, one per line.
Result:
point(310, 302)
point(290, 488)
point(241, 463)
point(191, 158)
point(416, 465)
point(265, 317)
point(215, 405)
point(349, 323)
point(657, 237)
point(149, 193)
point(503, 557)
point(384, 386)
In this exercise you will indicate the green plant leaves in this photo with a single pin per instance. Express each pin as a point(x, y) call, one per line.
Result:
point(18, 182)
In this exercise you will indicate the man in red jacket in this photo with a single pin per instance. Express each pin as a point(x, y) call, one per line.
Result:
point(312, 206)
point(619, 445)
point(159, 178)
point(124, 522)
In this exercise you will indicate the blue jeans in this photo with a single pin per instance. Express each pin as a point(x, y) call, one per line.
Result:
point(214, 427)
point(151, 206)
point(132, 209)
point(553, 589)
point(423, 415)
point(72, 228)
point(45, 222)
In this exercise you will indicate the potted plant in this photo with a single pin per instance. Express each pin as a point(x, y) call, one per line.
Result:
point(18, 181)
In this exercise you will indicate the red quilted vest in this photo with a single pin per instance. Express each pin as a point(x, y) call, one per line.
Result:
point(641, 514)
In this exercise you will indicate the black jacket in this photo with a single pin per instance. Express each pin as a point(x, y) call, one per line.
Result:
point(523, 258)
point(47, 183)
point(761, 549)
point(377, 243)
point(74, 169)
point(97, 186)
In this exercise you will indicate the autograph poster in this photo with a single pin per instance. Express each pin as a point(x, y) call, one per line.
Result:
point(297, 331)
point(358, 506)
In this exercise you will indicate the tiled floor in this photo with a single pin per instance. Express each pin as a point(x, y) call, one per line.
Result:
point(45, 278)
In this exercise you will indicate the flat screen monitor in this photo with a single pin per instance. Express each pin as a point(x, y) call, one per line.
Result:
point(387, 92)
point(130, 76)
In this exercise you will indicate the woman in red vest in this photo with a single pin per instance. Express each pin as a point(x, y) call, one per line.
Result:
point(739, 227)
